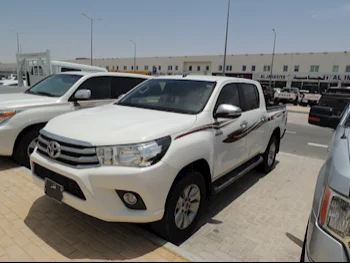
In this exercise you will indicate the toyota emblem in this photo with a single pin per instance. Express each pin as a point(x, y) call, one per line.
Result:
point(54, 150)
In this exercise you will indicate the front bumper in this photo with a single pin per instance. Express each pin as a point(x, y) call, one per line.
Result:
point(99, 186)
point(8, 136)
point(322, 247)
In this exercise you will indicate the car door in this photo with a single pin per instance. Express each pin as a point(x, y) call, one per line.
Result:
point(254, 117)
point(230, 145)
point(101, 94)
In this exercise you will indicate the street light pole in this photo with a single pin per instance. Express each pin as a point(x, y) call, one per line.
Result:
point(134, 54)
point(92, 25)
point(273, 56)
point(18, 50)
point(227, 24)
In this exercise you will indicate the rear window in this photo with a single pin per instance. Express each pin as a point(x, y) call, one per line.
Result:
point(251, 96)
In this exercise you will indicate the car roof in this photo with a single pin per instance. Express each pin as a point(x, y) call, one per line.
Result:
point(103, 74)
point(207, 78)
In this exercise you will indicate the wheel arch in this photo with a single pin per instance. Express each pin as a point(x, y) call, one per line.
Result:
point(25, 131)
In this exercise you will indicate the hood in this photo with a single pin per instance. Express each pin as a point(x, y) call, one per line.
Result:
point(23, 100)
point(116, 125)
point(339, 170)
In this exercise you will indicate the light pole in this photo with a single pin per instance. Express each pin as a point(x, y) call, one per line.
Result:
point(134, 54)
point(92, 24)
point(273, 57)
point(18, 51)
point(227, 24)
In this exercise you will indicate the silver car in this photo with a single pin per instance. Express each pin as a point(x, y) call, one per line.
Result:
point(328, 233)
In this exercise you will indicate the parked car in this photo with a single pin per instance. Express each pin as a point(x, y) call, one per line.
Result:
point(288, 95)
point(159, 152)
point(309, 98)
point(327, 237)
point(23, 115)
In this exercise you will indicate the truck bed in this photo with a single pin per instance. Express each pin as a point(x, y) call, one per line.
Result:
point(275, 108)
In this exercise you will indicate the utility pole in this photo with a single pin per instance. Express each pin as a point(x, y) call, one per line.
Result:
point(18, 49)
point(227, 24)
point(273, 56)
point(134, 54)
point(92, 25)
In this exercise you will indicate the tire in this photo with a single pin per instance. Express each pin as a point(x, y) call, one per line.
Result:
point(268, 164)
point(167, 227)
point(21, 154)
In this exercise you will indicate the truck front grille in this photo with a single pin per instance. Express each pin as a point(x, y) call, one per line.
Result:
point(76, 154)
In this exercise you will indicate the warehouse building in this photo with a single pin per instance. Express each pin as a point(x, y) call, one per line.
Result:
point(302, 70)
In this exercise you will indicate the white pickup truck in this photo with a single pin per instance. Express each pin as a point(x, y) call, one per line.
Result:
point(158, 153)
point(288, 95)
point(23, 115)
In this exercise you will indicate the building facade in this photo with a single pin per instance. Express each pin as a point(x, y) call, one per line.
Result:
point(302, 70)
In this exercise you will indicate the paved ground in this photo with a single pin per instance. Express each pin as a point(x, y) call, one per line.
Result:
point(34, 228)
point(304, 139)
point(298, 109)
point(260, 218)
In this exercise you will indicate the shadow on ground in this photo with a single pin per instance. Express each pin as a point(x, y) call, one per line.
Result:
point(7, 163)
point(229, 195)
point(78, 236)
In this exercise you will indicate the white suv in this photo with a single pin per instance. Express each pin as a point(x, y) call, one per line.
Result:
point(159, 152)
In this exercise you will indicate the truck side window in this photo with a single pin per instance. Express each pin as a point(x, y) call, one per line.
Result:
point(69, 70)
point(100, 87)
point(122, 85)
point(228, 95)
point(250, 96)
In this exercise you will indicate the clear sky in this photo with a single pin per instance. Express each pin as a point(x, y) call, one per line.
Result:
point(172, 27)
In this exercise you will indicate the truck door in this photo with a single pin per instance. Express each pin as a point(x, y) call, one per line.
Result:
point(230, 142)
point(255, 117)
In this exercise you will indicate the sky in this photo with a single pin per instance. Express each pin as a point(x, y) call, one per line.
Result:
point(172, 27)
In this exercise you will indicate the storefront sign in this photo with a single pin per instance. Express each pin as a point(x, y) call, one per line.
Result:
point(302, 77)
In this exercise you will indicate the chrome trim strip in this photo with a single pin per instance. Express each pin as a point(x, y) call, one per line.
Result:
point(65, 140)
point(79, 159)
point(86, 151)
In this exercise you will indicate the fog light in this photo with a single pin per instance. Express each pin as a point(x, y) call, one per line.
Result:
point(130, 199)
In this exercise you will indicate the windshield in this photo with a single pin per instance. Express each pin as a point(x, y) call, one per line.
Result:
point(181, 96)
point(54, 85)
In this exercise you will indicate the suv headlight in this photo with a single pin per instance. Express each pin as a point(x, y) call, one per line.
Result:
point(335, 215)
point(5, 115)
point(134, 155)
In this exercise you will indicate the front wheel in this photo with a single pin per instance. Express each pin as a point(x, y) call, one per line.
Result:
point(184, 208)
point(269, 157)
point(26, 147)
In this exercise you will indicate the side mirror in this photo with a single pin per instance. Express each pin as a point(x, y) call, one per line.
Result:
point(228, 111)
point(83, 94)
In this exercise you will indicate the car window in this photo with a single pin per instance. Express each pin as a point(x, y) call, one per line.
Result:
point(228, 95)
point(250, 96)
point(69, 69)
point(180, 96)
point(100, 87)
point(122, 85)
point(54, 86)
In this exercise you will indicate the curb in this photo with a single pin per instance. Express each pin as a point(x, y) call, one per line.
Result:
point(163, 243)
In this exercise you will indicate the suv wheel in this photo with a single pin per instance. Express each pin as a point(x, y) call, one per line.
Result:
point(184, 208)
point(26, 147)
point(269, 157)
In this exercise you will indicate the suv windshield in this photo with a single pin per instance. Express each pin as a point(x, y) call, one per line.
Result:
point(54, 85)
point(181, 96)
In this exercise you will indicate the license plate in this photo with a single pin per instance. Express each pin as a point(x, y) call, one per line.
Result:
point(54, 190)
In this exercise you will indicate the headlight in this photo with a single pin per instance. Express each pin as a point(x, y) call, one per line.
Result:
point(135, 155)
point(335, 215)
point(5, 115)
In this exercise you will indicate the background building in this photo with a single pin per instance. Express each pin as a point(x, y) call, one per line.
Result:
point(302, 70)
